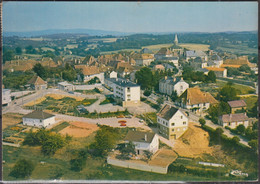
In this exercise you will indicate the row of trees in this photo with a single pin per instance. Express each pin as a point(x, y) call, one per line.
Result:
point(192, 76)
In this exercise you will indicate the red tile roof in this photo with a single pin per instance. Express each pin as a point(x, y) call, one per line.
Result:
point(237, 103)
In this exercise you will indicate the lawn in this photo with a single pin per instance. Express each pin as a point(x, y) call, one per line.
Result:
point(92, 91)
point(250, 101)
point(193, 46)
point(107, 101)
point(238, 49)
point(60, 127)
point(152, 116)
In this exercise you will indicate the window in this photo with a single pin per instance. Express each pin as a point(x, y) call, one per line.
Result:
point(173, 130)
point(173, 124)
point(184, 122)
point(166, 123)
point(204, 104)
point(128, 89)
point(181, 87)
point(181, 117)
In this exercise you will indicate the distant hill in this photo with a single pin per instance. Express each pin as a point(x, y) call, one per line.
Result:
point(91, 32)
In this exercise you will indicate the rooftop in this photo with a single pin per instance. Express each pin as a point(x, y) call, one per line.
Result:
point(122, 82)
point(237, 103)
point(234, 117)
point(171, 80)
point(216, 69)
point(195, 53)
point(167, 112)
point(36, 80)
point(138, 136)
point(65, 83)
point(88, 70)
point(193, 96)
point(37, 114)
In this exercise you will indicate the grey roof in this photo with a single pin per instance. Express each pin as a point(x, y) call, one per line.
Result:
point(202, 70)
point(170, 80)
point(167, 112)
point(37, 114)
point(234, 117)
point(138, 136)
point(122, 82)
point(195, 53)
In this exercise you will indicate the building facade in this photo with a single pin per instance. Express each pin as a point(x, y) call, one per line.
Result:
point(233, 120)
point(6, 97)
point(172, 122)
point(39, 119)
point(170, 84)
point(65, 86)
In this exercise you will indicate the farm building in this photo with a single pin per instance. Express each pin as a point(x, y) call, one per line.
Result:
point(39, 119)
point(143, 141)
point(233, 120)
point(237, 105)
point(37, 83)
point(219, 72)
point(65, 86)
point(172, 122)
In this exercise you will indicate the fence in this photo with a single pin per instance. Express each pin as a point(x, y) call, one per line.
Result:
point(138, 166)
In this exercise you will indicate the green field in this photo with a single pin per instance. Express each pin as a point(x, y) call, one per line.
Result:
point(238, 49)
point(250, 101)
point(116, 51)
point(157, 47)
point(193, 46)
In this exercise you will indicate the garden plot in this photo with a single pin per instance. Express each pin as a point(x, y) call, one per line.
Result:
point(79, 129)
point(61, 104)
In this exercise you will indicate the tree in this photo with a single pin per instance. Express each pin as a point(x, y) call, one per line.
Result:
point(212, 76)
point(126, 150)
point(244, 68)
point(18, 50)
point(235, 139)
point(40, 70)
point(253, 144)
point(23, 168)
point(145, 78)
point(148, 154)
point(241, 129)
point(202, 122)
point(147, 92)
point(160, 100)
point(77, 164)
point(227, 93)
point(174, 96)
point(219, 131)
point(8, 55)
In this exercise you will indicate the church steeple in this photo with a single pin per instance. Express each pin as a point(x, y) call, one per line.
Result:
point(176, 40)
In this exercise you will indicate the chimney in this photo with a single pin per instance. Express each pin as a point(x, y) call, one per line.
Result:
point(145, 137)
point(165, 77)
point(174, 79)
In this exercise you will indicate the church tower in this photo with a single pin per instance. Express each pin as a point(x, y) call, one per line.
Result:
point(176, 40)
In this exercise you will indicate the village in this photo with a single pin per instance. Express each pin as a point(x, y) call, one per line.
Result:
point(155, 110)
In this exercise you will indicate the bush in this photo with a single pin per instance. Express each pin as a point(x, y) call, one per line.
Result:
point(202, 121)
point(23, 168)
point(147, 92)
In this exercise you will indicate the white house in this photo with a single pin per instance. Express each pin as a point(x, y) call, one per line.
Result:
point(233, 120)
point(196, 100)
point(65, 86)
point(113, 74)
point(172, 122)
point(6, 97)
point(39, 119)
point(170, 84)
point(125, 91)
point(90, 72)
point(143, 141)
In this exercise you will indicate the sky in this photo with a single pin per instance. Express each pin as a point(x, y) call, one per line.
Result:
point(131, 16)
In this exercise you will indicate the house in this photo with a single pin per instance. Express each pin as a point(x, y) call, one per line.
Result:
point(198, 63)
point(6, 97)
point(90, 72)
point(233, 120)
point(148, 141)
point(37, 83)
point(219, 72)
point(113, 74)
point(173, 59)
point(196, 100)
point(192, 54)
point(237, 105)
point(158, 67)
point(146, 51)
point(172, 122)
point(170, 84)
point(125, 92)
point(39, 119)
point(204, 70)
point(215, 61)
point(65, 86)
point(163, 52)
point(143, 59)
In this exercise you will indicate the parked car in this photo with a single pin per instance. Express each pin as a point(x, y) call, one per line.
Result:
point(129, 116)
point(120, 116)
point(141, 121)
